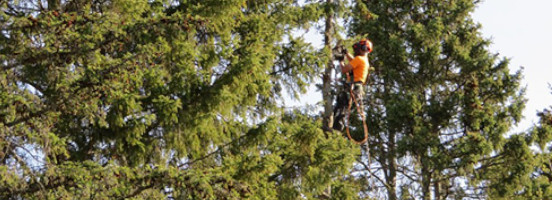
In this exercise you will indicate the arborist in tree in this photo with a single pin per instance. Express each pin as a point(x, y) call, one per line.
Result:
point(356, 71)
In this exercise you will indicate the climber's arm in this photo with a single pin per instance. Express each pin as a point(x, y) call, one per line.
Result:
point(345, 68)
point(349, 56)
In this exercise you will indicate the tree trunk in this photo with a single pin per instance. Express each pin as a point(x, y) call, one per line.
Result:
point(426, 178)
point(326, 78)
point(391, 155)
point(392, 168)
point(436, 189)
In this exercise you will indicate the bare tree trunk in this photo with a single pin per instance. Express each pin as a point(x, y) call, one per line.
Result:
point(392, 168)
point(426, 178)
point(390, 156)
point(437, 189)
point(326, 78)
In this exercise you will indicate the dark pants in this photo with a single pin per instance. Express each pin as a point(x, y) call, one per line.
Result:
point(342, 104)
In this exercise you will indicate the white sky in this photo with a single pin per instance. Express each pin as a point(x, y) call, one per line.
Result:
point(520, 30)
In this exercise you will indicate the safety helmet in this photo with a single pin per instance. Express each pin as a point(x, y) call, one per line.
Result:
point(363, 45)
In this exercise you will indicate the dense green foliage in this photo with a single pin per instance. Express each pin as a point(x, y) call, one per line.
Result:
point(528, 172)
point(181, 99)
point(442, 102)
point(138, 99)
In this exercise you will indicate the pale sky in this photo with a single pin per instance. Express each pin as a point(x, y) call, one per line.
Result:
point(520, 30)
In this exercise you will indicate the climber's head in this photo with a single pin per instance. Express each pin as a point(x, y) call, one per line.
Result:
point(362, 46)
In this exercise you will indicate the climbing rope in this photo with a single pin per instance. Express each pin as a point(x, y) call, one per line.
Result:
point(352, 99)
point(359, 112)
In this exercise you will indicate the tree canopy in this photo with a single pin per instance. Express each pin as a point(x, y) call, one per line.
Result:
point(181, 99)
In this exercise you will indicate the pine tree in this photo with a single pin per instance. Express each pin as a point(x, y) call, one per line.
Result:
point(527, 174)
point(156, 99)
point(441, 103)
point(540, 185)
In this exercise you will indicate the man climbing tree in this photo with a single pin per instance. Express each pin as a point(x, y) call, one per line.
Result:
point(357, 68)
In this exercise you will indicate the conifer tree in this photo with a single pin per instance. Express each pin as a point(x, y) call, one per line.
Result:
point(528, 173)
point(540, 184)
point(156, 99)
point(441, 104)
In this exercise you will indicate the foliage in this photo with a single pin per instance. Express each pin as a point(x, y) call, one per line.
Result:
point(179, 99)
point(528, 172)
point(151, 99)
point(442, 103)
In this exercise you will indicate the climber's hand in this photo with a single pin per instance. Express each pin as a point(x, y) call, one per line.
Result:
point(344, 51)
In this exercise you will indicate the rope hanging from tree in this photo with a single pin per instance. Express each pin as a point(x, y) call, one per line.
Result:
point(361, 115)
point(365, 127)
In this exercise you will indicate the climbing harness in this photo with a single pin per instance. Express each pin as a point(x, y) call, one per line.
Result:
point(364, 45)
point(339, 54)
point(352, 99)
point(360, 112)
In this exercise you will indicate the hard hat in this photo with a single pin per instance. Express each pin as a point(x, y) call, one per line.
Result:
point(364, 45)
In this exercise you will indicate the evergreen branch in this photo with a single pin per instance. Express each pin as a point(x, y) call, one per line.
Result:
point(33, 188)
point(24, 119)
point(404, 171)
point(273, 73)
point(482, 167)
point(5, 68)
point(138, 190)
point(7, 148)
point(13, 11)
point(191, 162)
point(42, 56)
point(548, 176)
point(35, 158)
point(372, 174)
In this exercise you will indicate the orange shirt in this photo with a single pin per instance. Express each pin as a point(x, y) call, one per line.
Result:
point(360, 68)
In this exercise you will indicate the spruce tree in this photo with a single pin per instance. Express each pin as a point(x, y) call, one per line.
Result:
point(157, 99)
point(540, 184)
point(441, 104)
point(528, 172)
